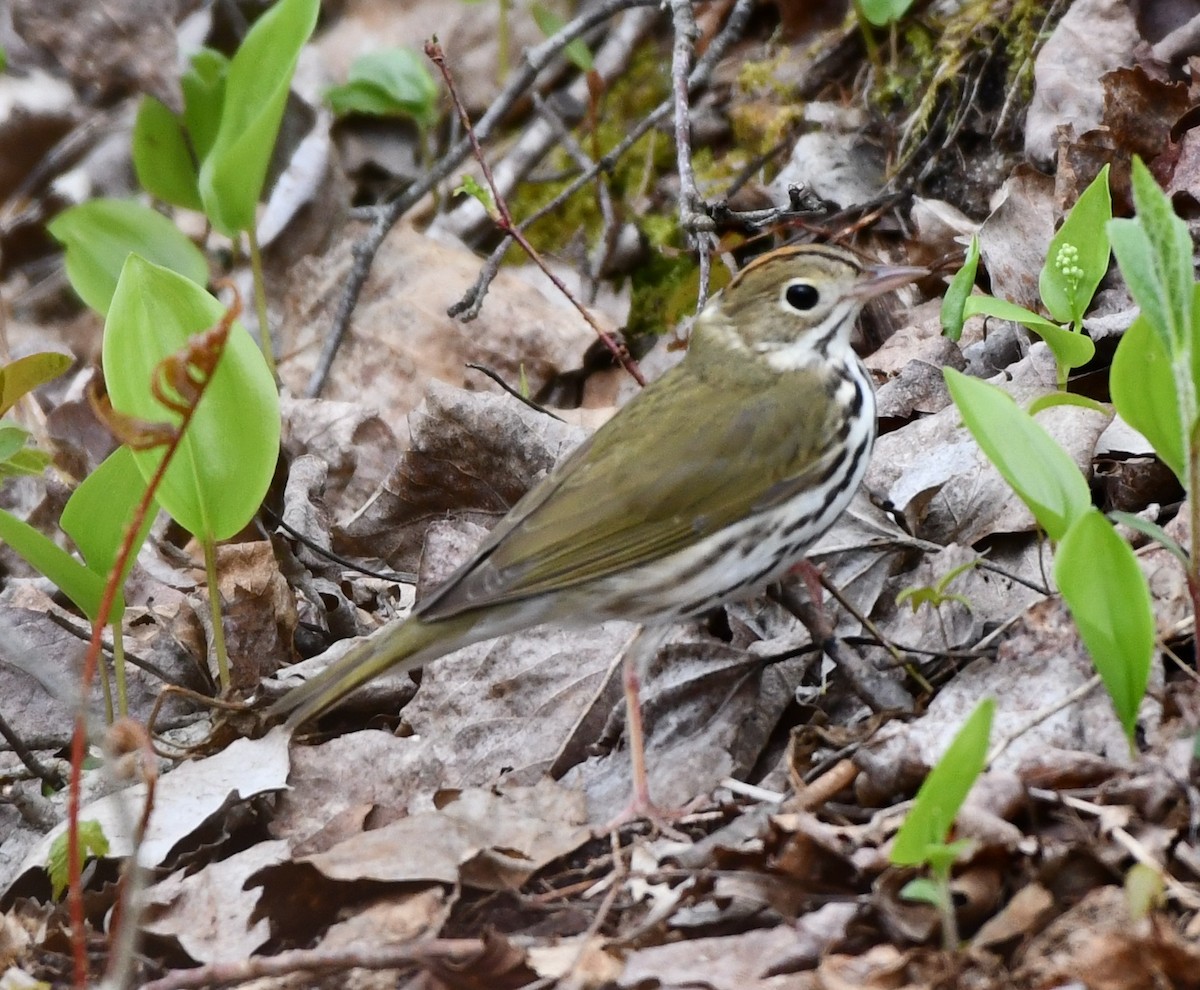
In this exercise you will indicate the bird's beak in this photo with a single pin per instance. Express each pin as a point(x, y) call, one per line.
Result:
point(878, 279)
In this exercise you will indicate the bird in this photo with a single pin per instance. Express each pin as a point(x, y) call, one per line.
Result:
point(707, 486)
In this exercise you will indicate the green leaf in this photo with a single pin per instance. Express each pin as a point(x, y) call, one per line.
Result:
point(27, 460)
point(883, 12)
point(958, 292)
point(1152, 530)
point(82, 586)
point(922, 890)
point(92, 843)
point(256, 91)
point(1071, 350)
point(99, 510)
point(945, 789)
point(1155, 254)
point(162, 159)
point(1143, 390)
point(1039, 470)
point(469, 186)
point(16, 457)
point(203, 97)
point(225, 462)
point(1145, 890)
point(1078, 255)
point(549, 23)
point(12, 439)
point(393, 82)
point(1067, 399)
point(101, 233)
point(1106, 592)
point(22, 376)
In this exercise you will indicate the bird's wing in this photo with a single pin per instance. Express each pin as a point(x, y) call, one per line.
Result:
point(607, 509)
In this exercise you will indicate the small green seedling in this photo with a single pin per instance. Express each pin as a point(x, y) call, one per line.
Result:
point(469, 186)
point(1076, 261)
point(937, 595)
point(93, 843)
point(1145, 891)
point(18, 379)
point(393, 82)
point(924, 838)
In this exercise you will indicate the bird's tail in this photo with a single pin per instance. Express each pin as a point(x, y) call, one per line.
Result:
point(405, 646)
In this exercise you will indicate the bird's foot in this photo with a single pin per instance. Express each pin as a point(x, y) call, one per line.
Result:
point(641, 807)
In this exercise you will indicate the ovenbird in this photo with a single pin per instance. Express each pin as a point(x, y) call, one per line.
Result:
point(707, 486)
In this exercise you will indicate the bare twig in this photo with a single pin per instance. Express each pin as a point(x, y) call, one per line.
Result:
point(693, 217)
point(879, 693)
point(51, 778)
point(505, 221)
point(513, 392)
point(1108, 821)
point(468, 220)
point(468, 308)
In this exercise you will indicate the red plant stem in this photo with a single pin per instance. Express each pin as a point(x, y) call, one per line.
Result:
point(506, 224)
point(79, 739)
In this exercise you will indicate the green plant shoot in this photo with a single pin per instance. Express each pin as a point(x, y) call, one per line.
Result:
point(1076, 262)
point(954, 302)
point(393, 82)
point(924, 838)
point(1109, 600)
point(881, 13)
point(1078, 256)
point(234, 170)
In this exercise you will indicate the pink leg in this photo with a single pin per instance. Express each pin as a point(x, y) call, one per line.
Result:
point(644, 645)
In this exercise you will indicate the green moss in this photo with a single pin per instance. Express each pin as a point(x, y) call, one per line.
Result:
point(665, 290)
point(927, 63)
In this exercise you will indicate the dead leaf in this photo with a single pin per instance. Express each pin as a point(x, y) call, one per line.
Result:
point(400, 337)
point(480, 838)
point(185, 799)
point(1093, 37)
point(469, 453)
point(209, 912)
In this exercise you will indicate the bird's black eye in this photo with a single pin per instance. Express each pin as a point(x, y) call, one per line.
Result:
point(802, 296)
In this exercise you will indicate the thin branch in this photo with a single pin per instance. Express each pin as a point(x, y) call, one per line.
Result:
point(52, 778)
point(494, 376)
point(505, 221)
point(467, 221)
point(693, 217)
point(608, 216)
point(735, 25)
